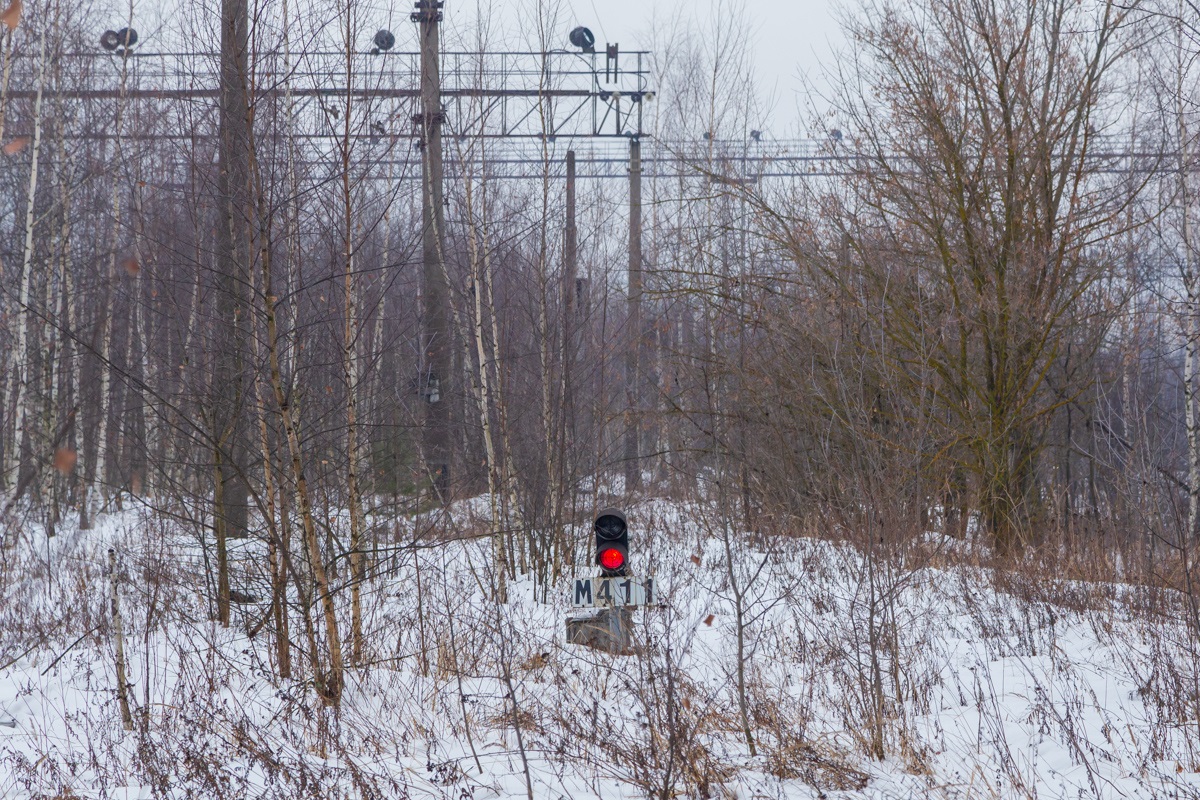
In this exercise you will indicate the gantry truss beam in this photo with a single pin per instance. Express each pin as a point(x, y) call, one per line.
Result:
point(729, 162)
point(493, 94)
point(720, 163)
point(530, 108)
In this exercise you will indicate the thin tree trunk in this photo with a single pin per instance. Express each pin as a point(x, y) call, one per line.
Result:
point(283, 555)
point(5, 73)
point(131, 424)
point(5, 445)
point(508, 475)
point(545, 536)
point(480, 380)
point(1192, 308)
point(277, 540)
point(65, 384)
point(328, 685)
point(350, 368)
point(739, 608)
point(119, 642)
point(21, 355)
point(97, 472)
point(221, 533)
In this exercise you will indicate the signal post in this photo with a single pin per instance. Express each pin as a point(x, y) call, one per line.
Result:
point(613, 594)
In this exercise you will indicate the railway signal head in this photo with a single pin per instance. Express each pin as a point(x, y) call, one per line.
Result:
point(612, 543)
point(584, 39)
point(384, 40)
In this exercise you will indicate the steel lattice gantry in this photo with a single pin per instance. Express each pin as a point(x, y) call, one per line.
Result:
point(538, 95)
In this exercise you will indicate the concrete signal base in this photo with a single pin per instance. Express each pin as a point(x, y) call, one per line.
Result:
point(606, 629)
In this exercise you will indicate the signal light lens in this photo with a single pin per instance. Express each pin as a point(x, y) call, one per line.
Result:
point(612, 558)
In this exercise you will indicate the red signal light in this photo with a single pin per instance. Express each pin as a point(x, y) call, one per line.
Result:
point(612, 558)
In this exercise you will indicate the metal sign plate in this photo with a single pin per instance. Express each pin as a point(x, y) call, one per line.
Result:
point(612, 592)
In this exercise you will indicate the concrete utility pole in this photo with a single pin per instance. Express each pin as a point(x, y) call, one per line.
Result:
point(233, 250)
point(633, 383)
point(435, 334)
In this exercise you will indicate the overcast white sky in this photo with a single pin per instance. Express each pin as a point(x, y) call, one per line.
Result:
point(791, 37)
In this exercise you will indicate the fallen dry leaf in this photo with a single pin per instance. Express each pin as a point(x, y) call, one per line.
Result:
point(709, 619)
point(16, 145)
point(64, 460)
point(12, 15)
point(696, 560)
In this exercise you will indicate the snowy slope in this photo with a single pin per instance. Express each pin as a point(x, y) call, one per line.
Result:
point(1052, 690)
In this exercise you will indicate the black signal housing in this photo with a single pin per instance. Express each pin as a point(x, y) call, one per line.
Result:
point(612, 543)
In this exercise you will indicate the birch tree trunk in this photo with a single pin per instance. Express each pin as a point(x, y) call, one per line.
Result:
point(62, 393)
point(133, 419)
point(96, 470)
point(327, 683)
point(277, 538)
point(118, 631)
point(508, 475)
point(350, 365)
point(1191, 287)
point(487, 376)
point(6, 37)
point(542, 544)
point(20, 355)
point(481, 383)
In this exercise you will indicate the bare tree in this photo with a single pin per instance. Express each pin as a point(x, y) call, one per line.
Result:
point(974, 215)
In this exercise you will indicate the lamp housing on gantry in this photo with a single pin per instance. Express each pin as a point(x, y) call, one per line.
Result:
point(584, 39)
point(384, 40)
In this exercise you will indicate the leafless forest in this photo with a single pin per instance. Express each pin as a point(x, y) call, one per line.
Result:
point(317, 362)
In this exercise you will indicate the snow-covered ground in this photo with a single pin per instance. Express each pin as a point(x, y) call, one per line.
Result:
point(1048, 689)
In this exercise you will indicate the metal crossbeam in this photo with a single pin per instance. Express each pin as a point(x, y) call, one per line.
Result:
point(530, 106)
point(495, 94)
